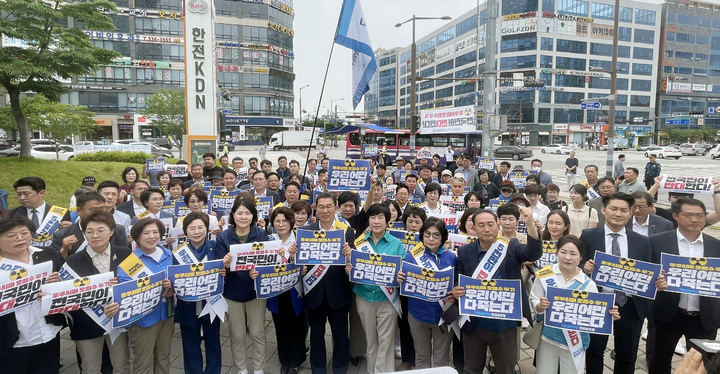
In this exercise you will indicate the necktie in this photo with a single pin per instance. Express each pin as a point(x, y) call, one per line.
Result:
point(34, 219)
point(620, 297)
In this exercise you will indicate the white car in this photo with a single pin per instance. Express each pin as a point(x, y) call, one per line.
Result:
point(557, 149)
point(715, 152)
point(664, 152)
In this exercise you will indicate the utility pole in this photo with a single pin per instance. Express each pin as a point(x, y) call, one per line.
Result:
point(613, 89)
point(489, 74)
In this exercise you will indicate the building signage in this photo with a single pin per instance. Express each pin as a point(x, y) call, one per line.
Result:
point(545, 88)
point(263, 121)
point(448, 121)
point(602, 32)
point(567, 17)
point(426, 58)
point(280, 28)
point(281, 7)
point(518, 26)
point(200, 71)
point(681, 87)
point(560, 126)
point(582, 127)
point(516, 16)
point(575, 72)
point(443, 53)
point(123, 37)
point(465, 43)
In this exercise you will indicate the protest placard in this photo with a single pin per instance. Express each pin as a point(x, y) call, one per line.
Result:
point(155, 164)
point(320, 247)
point(426, 284)
point(137, 298)
point(580, 310)
point(247, 256)
point(75, 294)
point(275, 280)
point(628, 275)
point(369, 150)
point(549, 256)
point(687, 184)
point(264, 206)
point(455, 203)
point(197, 281)
point(20, 286)
point(692, 275)
point(222, 201)
point(407, 238)
point(459, 240)
point(486, 163)
point(518, 178)
point(348, 175)
point(374, 269)
point(491, 298)
point(177, 171)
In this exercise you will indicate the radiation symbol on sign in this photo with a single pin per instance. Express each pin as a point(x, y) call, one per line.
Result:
point(18, 274)
point(319, 234)
point(489, 282)
point(390, 225)
point(280, 268)
point(627, 261)
point(428, 272)
point(224, 195)
point(468, 112)
point(471, 239)
point(375, 257)
point(84, 281)
point(409, 235)
point(698, 261)
point(257, 246)
point(455, 198)
point(257, 200)
point(197, 267)
point(580, 294)
point(349, 162)
point(142, 282)
point(43, 237)
point(548, 244)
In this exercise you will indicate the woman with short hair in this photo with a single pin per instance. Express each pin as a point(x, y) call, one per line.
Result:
point(432, 204)
point(302, 211)
point(581, 215)
point(129, 176)
point(195, 200)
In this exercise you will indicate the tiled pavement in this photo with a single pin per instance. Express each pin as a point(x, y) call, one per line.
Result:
point(272, 365)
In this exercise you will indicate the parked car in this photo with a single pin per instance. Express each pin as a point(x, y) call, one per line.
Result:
point(156, 150)
point(692, 149)
point(88, 142)
point(34, 142)
point(160, 142)
point(641, 148)
point(10, 152)
point(4, 144)
point(663, 152)
point(514, 152)
point(557, 149)
point(45, 152)
point(125, 141)
point(231, 146)
point(715, 152)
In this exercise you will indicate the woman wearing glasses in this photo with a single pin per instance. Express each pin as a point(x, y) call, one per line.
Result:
point(507, 189)
point(432, 345)
point(195, 199)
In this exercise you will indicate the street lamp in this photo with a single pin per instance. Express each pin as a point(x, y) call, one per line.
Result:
point(611, 115)
point(413, 78)
point(301, 88)
point(335, 106)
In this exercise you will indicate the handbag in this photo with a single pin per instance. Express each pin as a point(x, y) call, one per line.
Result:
point(533, 334)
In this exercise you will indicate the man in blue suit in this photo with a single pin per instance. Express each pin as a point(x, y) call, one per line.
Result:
point(479, 333)
point(329, 299)
point(613, 238)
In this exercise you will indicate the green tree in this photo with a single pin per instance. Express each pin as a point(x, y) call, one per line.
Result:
point(51, 51)
point(166, 109)
point(57, 121)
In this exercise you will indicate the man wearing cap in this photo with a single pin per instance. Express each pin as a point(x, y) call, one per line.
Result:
point(217, 178)
point(399, 167)
point(88, 181)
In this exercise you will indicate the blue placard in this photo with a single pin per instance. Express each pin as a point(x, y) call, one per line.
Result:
point(491, 298)
point(137, 298)
point(181, 210)
point(264, 206)
point(426, 284)
point(495, 204)
point(275, 280)
point(374, 269)
point(222, 201)
point(397, 225)
point(549, 256)
point(518, 178)
point(403, 174)
point(369, 150)
point(407, 238)
point(348, 175)
point(580, 310)
point(320, 247)
point(692, 275)
point(486, 163)
point(626, 274)
point(155, 165)
point(199, 281)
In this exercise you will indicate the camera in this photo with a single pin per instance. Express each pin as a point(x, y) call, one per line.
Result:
point(709, 350)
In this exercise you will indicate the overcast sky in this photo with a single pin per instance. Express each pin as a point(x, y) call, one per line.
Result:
point(315, 24)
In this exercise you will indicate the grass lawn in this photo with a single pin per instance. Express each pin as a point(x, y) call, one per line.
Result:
point(62, 178)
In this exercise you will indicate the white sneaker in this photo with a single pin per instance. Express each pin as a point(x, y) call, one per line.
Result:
point(398, 354)
point(244, 371)
point(258, 372)
point(644, 334)
point(680, 348)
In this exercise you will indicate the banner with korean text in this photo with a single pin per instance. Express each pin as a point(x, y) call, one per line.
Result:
point(628, 275)
point(247, 256)
point(580, 310)
point(692, 275)
point(374, 269)
point(549, 256)
point(137, 298)
point(348, 175)
point(320, 247)
point(426, 284)
point(20, 286)
point(686, 184)
point(76, 294)
point(491, 298)
point(197, 281)
point(448, 120)
point(275, 280)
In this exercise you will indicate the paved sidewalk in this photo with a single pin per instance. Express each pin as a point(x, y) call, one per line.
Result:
point(272, 365)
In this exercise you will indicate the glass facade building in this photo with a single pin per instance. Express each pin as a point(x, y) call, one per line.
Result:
point(254, 51)
point(558, 42)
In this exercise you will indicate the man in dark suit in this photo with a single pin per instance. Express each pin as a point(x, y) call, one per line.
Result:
point(502, 175)
point(479, 333)
point(675, 315)
point(329, 299)
point(613, 238)
point(68, 240)
point(134, 206)
point(259, 183)
point(643, 222)
point(31, 196)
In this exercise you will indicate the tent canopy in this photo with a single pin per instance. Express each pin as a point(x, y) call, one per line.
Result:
point(344, 129)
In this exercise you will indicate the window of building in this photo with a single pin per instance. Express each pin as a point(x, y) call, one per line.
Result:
point(600, 49)
point(682, 70)
point(702, 40)
point(599, 82)
point(443, 92)
point(645, 17)
point(569, 97)
point(467, 25)
point(464, 88)
point(518, 43)
point(427, 72)
point(700, 72)
point(704, 22)
point(570, 63)
point(465, 59)
point(427, 96)
point(622, 84)
point(642, 69)
point(444, 82)
point(702, 56)
point(641, 85)
point(625, 34)
point(716, 24)
point(446, 35)
point(444, 66)
point(683, 55)
point(546, 61)
point(426, 45)
point(644, 36)
point(256, 81)
point(568, 81)
point(626, 14)
point(671, 17)
point(518, 62)
point(544, 115)
point(250, 33)
point(256, 105)
point(667, 69)
point(159, 26)
point(669, 53)
point(465, 73)
point(121, 47)
point(639, 100)
point(624, 51)
point(227, 8)
point(254, 10)
point(567, 115)
point(643, 53)
point(546, 44)
point(545, 97)
point(424, 85)
point(622, 100)
point(603, 11)
point(670, 36)
point(152, 51)
point(685, 19)
point(573, 7)
point(572, 46)
point(548, 6)
point(518, 6)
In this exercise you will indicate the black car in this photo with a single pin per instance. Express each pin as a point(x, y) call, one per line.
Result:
point(512, 151)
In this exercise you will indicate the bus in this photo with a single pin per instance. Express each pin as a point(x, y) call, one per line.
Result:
point(397, 143)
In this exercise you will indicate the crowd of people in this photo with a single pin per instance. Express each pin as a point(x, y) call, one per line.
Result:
point(114, 222)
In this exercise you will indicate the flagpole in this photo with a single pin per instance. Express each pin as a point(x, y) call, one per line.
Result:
point(322, 90)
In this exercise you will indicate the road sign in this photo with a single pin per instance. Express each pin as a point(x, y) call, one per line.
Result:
point(601, 124)
point(593, 105)
point(677, 121)
point(226, 111)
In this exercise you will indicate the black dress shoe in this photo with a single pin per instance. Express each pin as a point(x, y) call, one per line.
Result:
point(292, 371)
point(355, 361)
point(612, 354)
point(284, 369)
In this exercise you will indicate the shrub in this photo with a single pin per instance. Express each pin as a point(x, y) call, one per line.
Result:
point(117, 156)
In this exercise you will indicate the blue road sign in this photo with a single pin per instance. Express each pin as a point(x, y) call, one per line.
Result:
point(677, 121)
point(226, 111)
point(593, 105)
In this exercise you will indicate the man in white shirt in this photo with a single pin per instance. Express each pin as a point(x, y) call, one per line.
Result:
point(676, 315)
point(643, 222)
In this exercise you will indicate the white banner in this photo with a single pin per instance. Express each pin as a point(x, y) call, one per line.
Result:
point(448, 121)
point(80, 149)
